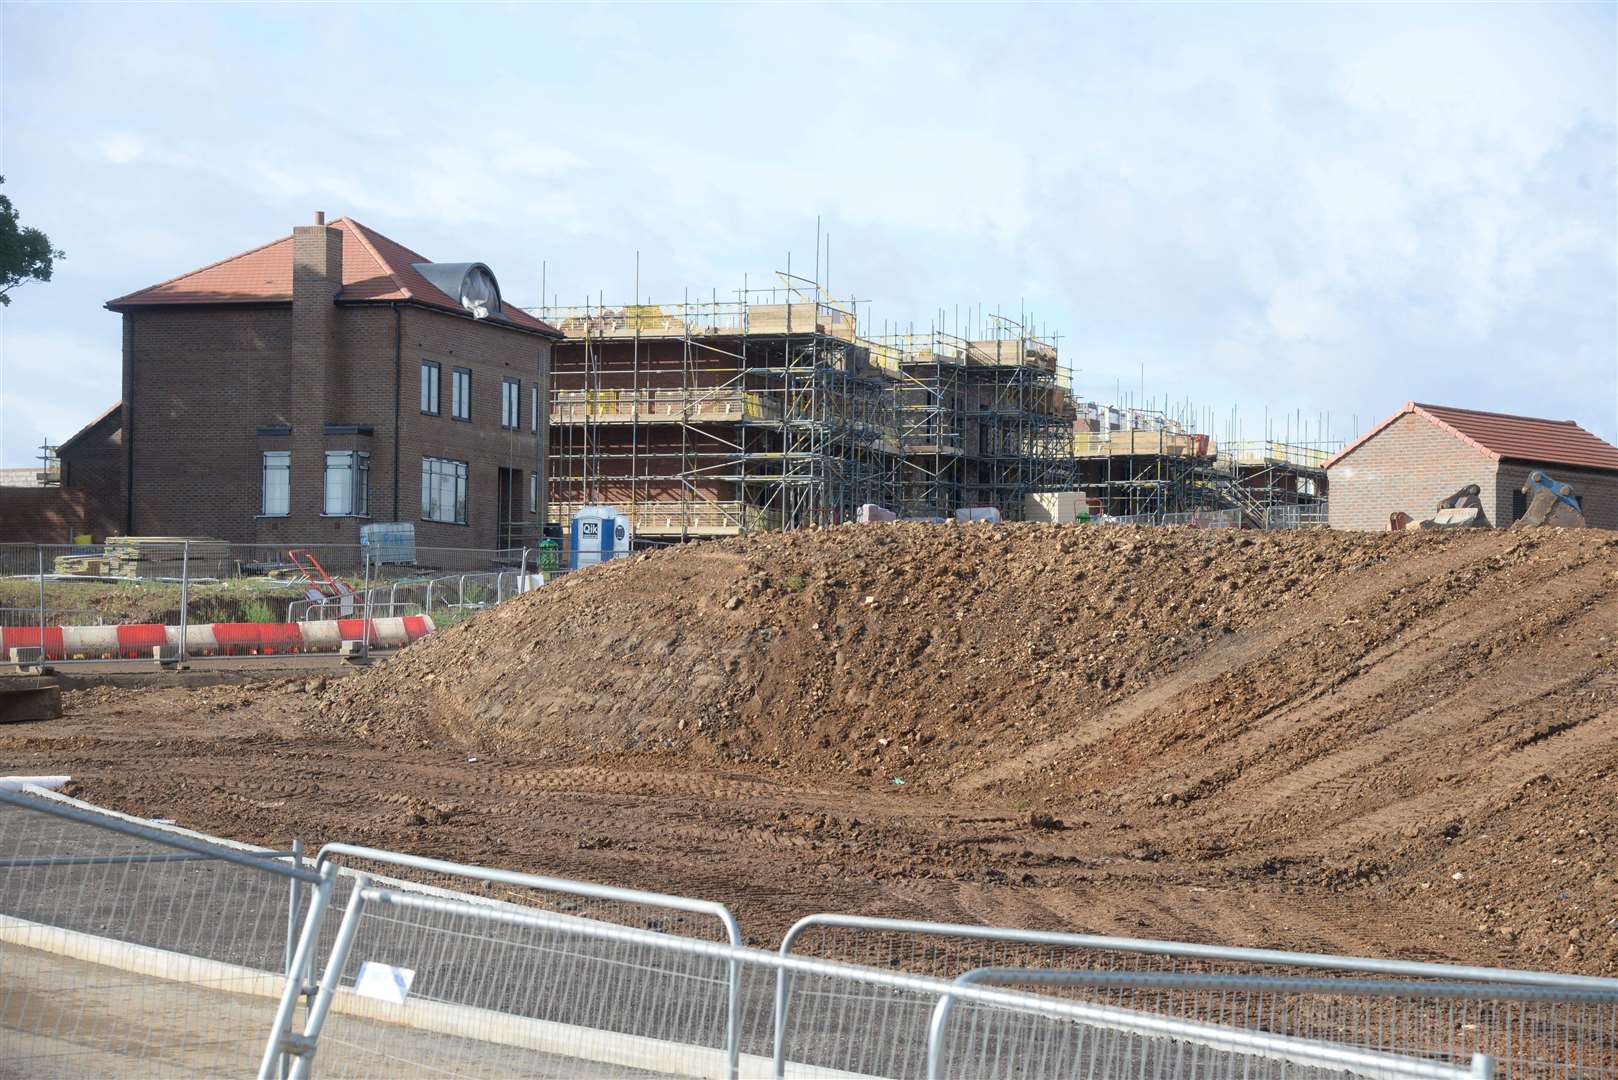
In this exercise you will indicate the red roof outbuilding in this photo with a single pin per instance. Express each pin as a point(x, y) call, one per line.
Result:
point(1505, 437)
point(375, 270)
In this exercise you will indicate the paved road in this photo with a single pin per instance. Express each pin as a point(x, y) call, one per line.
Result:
point(66, 1018)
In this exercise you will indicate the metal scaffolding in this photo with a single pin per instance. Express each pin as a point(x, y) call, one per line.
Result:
point(1143, 464)
point(771, 410)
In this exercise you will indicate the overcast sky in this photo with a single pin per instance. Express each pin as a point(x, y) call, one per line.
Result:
point(1295, 208)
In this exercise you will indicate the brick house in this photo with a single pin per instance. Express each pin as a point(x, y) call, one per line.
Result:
point(292, 393)
point(1425, 453)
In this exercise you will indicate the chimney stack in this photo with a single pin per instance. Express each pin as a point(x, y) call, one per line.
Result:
point(317, 276)
point(320, 217)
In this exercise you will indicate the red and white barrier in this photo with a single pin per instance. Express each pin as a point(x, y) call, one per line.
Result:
point(136, 641)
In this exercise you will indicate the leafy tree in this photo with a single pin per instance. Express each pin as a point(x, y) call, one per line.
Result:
point(25, 254)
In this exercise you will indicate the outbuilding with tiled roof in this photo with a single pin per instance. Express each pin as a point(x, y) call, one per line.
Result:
point(1423, 454)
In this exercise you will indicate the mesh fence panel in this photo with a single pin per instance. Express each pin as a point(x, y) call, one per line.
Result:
point(493, 991)
point(1565, 1033)
point(533, 1001)
point(119, 954)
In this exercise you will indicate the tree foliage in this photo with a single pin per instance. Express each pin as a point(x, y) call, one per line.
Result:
point(25, 254)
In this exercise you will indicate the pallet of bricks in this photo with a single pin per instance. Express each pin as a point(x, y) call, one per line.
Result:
point(150, 557)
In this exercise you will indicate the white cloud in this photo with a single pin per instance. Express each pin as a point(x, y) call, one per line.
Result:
point(121, 148)
point(1309, 206)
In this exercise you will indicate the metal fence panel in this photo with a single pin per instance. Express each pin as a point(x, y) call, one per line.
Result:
point(131, 949)
point(1527, 1030)
point(1312, 515)
point(495, 990)
point(1537, 1024)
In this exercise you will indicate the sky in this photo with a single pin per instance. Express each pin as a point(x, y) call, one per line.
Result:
point(1293, 211)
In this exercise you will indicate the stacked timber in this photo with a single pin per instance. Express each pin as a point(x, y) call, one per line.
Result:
point(149, 557)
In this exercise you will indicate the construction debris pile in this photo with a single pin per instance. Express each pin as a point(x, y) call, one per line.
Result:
point(148, 557)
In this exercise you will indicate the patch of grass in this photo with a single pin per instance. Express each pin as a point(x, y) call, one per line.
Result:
point(796, 583)
point(258, 610)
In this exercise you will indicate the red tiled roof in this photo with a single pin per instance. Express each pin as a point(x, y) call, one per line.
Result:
point(1502, 436)
point(375, 268)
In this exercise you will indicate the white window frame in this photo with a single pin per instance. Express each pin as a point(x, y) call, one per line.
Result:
point(353, 471)
point(284, 460)
point(443, 480)
point(432, 374)
point(511, 403)
point(460, 394)
point(533, 408)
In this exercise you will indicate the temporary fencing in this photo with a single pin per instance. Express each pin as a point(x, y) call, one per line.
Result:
point(31, 617)
point(179, 605)
point(691, 918)
point(1525, 1028)
point(1312, 515)
point(128, 946)
point(447, 598)
point(122, 942)
point(1536, 1024)
point(576, 991)
point(1206, 519)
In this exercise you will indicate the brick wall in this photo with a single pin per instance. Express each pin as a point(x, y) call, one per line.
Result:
point(198, 382)
point(1410, 465)
point(492, 354)
point(53, 515)
point(1599, 491)
point(95, 460)
point(201, 382)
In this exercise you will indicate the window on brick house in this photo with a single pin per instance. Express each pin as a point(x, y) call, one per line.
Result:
point(511, 403)
point(348, 484)
point(533, 493)
point(443, 490)
point(533, 408)
point(277, 485)
point(460, 394)
point(430, 372)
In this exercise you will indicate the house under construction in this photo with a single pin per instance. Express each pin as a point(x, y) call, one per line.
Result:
point(772, 410)
point(1143, 464)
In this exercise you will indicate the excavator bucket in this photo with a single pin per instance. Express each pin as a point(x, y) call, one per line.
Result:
point(1462, 510)
point(1455, 517)
point(1551, 504)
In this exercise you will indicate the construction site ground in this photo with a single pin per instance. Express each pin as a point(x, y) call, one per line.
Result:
point(1395, 745)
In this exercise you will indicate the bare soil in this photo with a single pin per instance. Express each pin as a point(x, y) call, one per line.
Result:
point(1397, 745)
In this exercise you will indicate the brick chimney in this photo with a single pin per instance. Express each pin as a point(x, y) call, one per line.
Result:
point(317, 275)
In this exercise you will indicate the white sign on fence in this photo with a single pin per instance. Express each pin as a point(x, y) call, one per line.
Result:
point(384, 982)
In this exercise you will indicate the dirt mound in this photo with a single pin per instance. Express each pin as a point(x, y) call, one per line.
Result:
point(1425, 720)
point(907, 648)
point(1386, 745)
